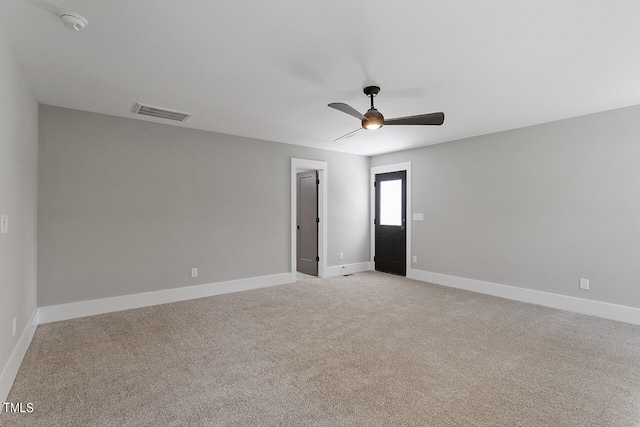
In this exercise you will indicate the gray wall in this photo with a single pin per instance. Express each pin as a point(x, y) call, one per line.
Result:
point(18, 199)
point(127, 206)
point(538, 207)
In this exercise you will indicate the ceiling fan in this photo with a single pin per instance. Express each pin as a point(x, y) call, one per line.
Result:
point(373, 119)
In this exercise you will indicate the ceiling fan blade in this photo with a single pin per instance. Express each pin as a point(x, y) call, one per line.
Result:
point(347, 109)
point(421, 119)
point(46, 6)
point(348, 135)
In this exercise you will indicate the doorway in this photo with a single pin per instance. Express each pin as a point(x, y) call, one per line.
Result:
point(307, 222)
point(390, 226)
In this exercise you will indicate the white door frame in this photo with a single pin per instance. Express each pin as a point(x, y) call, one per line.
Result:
point(406, 166)
point(322, 169)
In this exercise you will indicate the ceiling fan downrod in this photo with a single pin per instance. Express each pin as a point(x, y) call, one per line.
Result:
point(371, 91)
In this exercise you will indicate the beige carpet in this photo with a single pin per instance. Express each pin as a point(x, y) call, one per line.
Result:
point(368, 349)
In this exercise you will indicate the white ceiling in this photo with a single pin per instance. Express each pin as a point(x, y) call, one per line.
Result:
point(268, 70)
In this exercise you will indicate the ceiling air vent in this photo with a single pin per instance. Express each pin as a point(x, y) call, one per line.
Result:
point(161, 113)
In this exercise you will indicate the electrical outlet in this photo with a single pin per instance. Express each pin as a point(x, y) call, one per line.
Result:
point(341, 255)
point(14, 326)
point(194, 272)
point(414, 259)
point(584, 284)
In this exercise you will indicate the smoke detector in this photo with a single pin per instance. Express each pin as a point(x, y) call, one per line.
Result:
point(73, 20)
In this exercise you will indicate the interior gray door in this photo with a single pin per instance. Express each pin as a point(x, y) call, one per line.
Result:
point(307, 245)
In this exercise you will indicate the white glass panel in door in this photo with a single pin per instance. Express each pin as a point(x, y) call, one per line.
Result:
point(391, 202)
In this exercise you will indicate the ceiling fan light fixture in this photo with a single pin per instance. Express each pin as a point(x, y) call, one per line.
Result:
point(374, 120)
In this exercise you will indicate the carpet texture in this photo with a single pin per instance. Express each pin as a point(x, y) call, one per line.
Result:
point(364, 350)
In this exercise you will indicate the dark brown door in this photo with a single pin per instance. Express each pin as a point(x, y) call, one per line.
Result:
point(307, 239)
point(390, 223)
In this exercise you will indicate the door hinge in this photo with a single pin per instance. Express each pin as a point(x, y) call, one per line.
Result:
point(298, 227)
point(317, 258)
point(318, 181)
point(374, 221)
point(318, 220)
point(374, 259)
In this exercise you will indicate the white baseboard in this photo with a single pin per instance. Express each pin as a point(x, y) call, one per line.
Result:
point(15, 360)
point(604, 310)
point(341, 270)
point(54, 313)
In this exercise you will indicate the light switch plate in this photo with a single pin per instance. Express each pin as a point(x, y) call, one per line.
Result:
point(194, 272)
point(4, 224)
point(418, 217)
point(584, 284)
